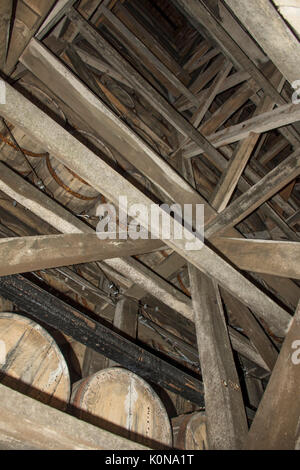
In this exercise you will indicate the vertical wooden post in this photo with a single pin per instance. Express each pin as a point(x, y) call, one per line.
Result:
point(125, 321)
point(225, 412)
point(275, 425)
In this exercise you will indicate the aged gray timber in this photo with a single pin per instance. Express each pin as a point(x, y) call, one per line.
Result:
point(224, 407)
point(199, 15)
point(275, 425)
point(22, 113)
point(27, 424)
point(280, 258)
point(281, 116)
point(269, 29)
point(24, 254)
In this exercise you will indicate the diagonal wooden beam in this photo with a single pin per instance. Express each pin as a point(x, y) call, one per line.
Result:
point(276, 420)
point(269, 29)
point(280, 258)
point(244, 205)
point(22, 113)
point(224, 408)
point(21, 255)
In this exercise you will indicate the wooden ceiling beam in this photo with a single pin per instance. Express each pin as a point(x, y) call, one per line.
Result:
point(269, 29)
point(52, 251)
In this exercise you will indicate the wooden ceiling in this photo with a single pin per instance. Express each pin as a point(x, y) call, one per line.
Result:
point(165, 101)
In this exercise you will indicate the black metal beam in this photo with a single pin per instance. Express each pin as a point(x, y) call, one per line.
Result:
point(54, 312)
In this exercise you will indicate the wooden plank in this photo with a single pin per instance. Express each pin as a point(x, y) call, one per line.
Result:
point(200, 112)
point(51, 251)
point(276, 421)
point(144, 54)
point(22, 113)
point(244, 205)
point(280, 258)
point(224, 408)
point(125, 320)
point(240, 36)
point(271, 32)
point(244, 316)
point(5, 20)
point(27, 424)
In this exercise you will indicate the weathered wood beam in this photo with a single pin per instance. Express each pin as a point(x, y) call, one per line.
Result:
point(273, 151)
point(264, 122)
point(21, 255)
point(27, 424)
point(276, 420)
point(268, 28)
point(61, 316)
point(244, 205)
point(22, 113)
point(239, 311)
point(5, 22)
point(224, 407)
point(230, 177)
point(280, 258)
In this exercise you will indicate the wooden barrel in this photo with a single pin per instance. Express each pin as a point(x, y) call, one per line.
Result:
point(31, 362)
point(124, 403)
point(10, 153)
point(66, 186)
point(189, 432)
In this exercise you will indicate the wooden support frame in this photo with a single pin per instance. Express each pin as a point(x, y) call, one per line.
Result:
point(69, 151)
point(24, 254)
